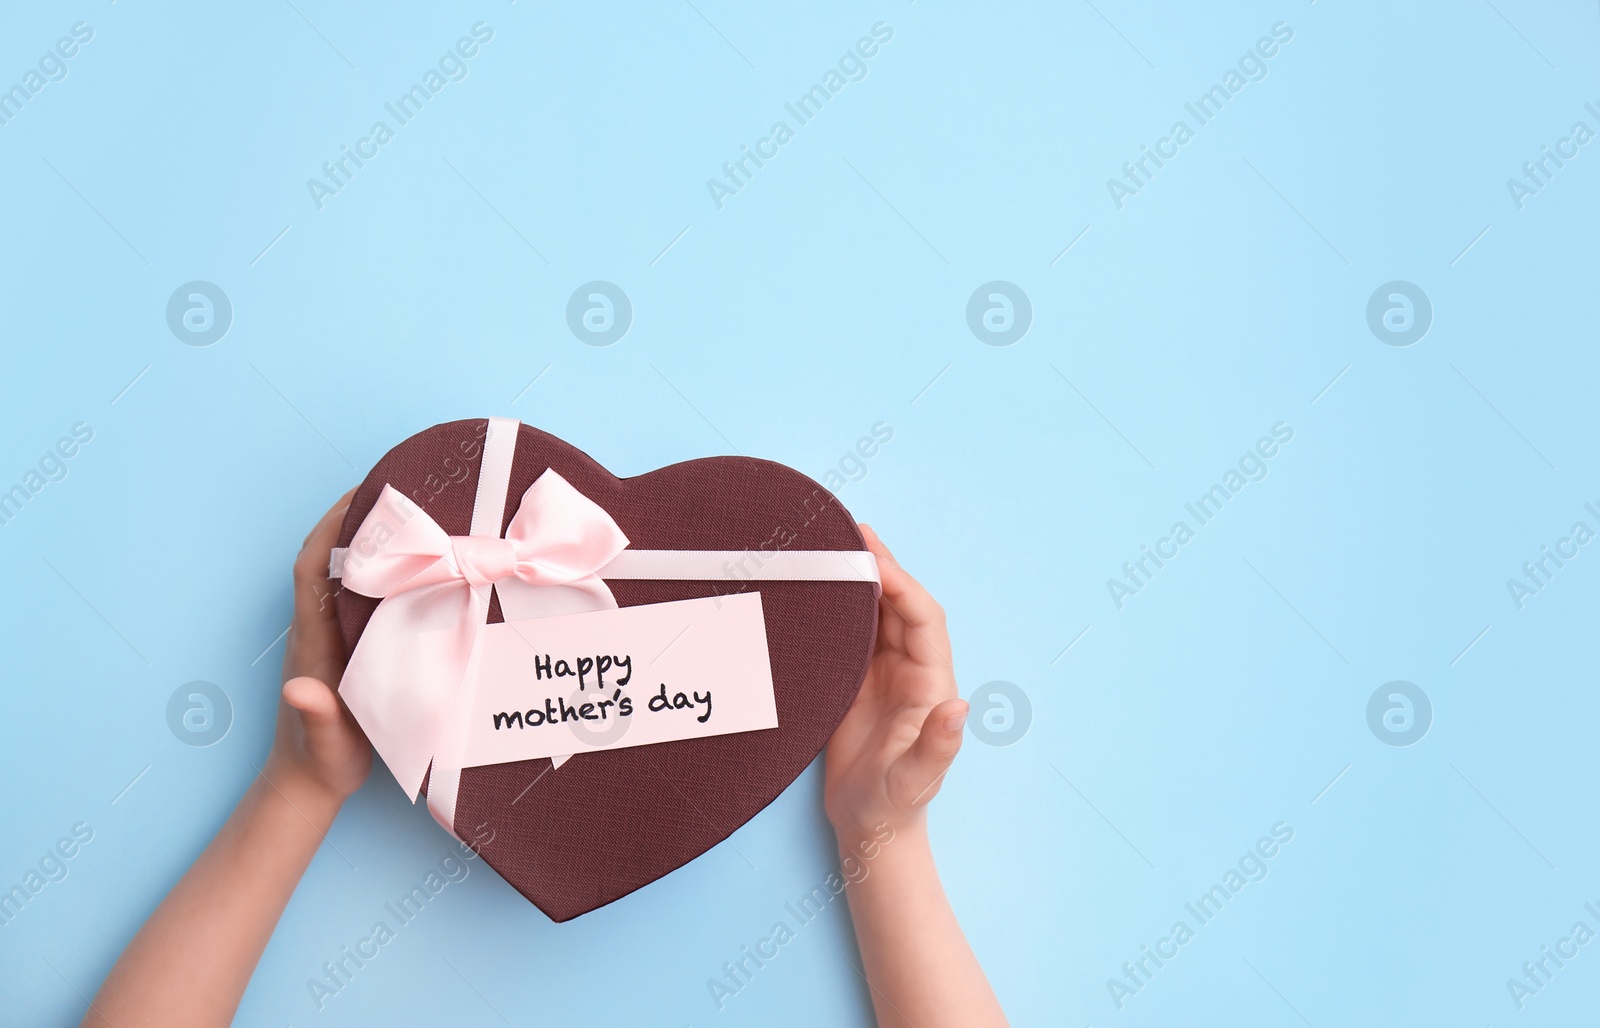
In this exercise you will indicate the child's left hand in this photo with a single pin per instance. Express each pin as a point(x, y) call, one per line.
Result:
point(891, 751)
point(319, 752)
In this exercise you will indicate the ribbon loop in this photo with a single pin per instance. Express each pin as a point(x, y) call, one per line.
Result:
point(395, 547)
point(560, 534)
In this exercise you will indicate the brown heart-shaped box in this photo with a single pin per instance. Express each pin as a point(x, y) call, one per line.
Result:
point(605, 823)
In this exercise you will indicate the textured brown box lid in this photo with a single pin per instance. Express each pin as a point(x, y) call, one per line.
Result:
point(575, 838)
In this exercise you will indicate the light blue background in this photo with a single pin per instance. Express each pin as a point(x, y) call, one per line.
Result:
point(826, 296)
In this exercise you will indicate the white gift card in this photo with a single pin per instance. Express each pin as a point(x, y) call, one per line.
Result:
point(633, 676)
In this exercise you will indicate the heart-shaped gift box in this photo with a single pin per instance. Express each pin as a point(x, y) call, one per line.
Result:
point(577, 836)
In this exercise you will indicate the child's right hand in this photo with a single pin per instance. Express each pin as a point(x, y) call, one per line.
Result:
point(885, 761)
point(319, 753)
point(891, 751)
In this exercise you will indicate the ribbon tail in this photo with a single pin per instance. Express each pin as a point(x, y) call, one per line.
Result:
point(450, 746)
point(406, 671)
point(518, 602)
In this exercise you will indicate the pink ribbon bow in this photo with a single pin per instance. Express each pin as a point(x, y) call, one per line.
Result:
point(420, 648)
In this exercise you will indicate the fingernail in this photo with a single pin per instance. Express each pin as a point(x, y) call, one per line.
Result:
point(954, 722)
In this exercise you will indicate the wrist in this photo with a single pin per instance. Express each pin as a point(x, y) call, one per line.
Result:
point(865, 841)
point(895, 866)
point(284, 781)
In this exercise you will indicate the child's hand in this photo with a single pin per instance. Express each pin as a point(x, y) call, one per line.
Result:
point(889, 754)
point(320, 753)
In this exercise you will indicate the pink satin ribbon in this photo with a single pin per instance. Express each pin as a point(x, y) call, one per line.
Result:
point(418, 651)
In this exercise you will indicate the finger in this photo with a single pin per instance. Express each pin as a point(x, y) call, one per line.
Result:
point(866, 710)
point(311, 563)
point(315, 647)
point(330, 520)
point(923, 766)
point(320, 539)
point(911, 621)
point(904, 594)
point(874, 542)
point(891, 626)
point(311, 698)
point(320, 712)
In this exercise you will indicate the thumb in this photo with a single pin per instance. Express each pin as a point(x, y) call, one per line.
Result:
point(923, 766)
point(317, 707)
